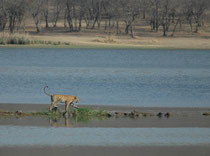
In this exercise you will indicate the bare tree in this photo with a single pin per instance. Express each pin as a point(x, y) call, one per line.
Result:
point(199, 8)
point(195, 11)
point(69, 12)
point(15, 10)
point(188, 12)
point(57, 5)
point(165, 14)
point(92, 13)
point(108, 12)
point(3, 15)
point(46, 12)
point(81, 12)
point(130, 12)
point(36, 10)
point(154, 14)
point(75, 10)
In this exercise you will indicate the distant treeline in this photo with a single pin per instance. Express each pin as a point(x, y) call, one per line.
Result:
point(158, 14)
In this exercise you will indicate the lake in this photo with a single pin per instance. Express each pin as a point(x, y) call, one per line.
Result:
point(150, 78)
point(42, 136)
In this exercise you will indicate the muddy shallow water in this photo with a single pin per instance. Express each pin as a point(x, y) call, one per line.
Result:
point(144, 80)
point(30, 136)
point(184, 127)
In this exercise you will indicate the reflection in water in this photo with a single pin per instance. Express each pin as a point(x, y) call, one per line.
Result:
point(54, 123)
point(73, 121)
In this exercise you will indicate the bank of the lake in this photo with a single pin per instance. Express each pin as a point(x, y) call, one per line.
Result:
point(101, 42)
point(178, 116)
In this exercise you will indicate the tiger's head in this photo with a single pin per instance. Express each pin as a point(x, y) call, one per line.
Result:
point(76, 99)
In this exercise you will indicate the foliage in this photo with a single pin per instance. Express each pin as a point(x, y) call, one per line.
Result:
point(19, 39)
point(73, 13)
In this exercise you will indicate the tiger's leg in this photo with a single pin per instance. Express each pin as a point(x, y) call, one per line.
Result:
point(66, 114)
point(53, 103)
point(67, 103)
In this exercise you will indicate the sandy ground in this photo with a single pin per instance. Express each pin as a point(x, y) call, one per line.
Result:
point(112, 41)
point(180, 117)
point(103, 41)
point(107, 151)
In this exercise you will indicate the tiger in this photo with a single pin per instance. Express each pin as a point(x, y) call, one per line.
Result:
point(67, 99)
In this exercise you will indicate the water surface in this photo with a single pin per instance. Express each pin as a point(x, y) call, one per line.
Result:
point(39, 136)
point(171, 78)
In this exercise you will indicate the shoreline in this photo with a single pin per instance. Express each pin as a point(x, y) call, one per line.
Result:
point(44, 106)
point(179, 117)
point(118, 47)
point(104, 151)
point(117, 42)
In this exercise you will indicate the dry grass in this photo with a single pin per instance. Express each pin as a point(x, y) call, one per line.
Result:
point(127, 42)
point(25, 39)
point(100, 38)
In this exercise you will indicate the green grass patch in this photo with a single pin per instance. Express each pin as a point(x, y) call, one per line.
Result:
point(21, 39)
point(81, 114)
point(88, 112)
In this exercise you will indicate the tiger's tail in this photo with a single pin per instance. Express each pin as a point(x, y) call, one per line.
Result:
point(46, 92)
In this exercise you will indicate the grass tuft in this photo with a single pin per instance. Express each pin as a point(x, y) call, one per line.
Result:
point(23, 39)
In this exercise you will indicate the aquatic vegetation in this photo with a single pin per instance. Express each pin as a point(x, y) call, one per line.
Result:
point(88, 112)
point(133, 114)
point(80, 114)
point(206, 114)
point(56, 114)
point(24, 39)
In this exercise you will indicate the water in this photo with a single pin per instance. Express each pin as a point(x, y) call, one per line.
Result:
point(39, 136)
point(171, 78)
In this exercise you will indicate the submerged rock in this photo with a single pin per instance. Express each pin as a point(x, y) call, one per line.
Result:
point(134, 114)
point(125, 114)
point(206, 114)
point(117, 113)
point(109, 115)
point(19, 112)
point(167, 115)
point(160, 114)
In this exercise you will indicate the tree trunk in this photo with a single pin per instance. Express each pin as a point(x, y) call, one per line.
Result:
point(127, 28)
point(197, 25)
point(87, 23)
point(105, 25)
point(164, 30)
point(75, 19)
point(156, 25)
point(46, 21)
point(99, 23)
point(65, 18)
point(71, 27)
point(80, 24)
point(3, 22)
point(12, 24)
point(36, 21)
point(131, 30)
point(178, 21)
point(196, 28)
point(94, 22)
point(117, 26)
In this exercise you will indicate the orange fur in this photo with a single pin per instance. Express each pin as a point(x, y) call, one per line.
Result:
point(67, 99)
